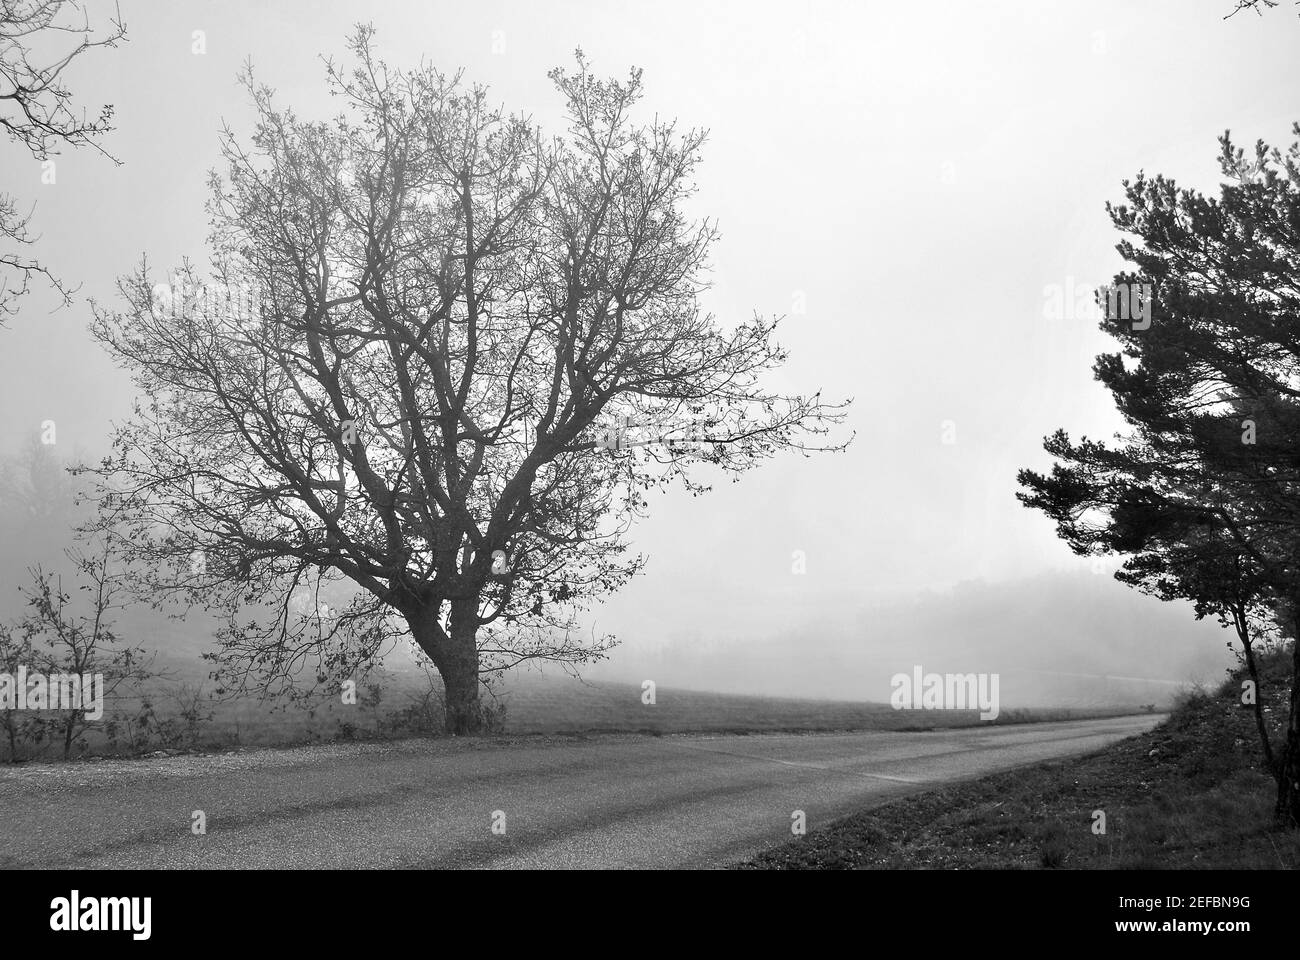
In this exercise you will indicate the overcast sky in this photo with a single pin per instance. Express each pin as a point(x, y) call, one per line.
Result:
point(909, 182)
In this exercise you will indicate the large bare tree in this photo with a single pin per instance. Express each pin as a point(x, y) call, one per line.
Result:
point(448, 358)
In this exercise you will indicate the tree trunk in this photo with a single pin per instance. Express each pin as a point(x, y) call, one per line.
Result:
point(13, 736)
point(1288, 781)
point(1257, 707)
point(455, 654)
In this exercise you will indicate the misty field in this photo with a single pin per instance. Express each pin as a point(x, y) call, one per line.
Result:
point(177, 716)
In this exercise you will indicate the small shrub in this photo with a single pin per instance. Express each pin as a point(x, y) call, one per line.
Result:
point(1053, 848)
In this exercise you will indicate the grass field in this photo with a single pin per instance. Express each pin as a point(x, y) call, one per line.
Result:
point(1193, 793)
point(534, 704)
point(408, 704)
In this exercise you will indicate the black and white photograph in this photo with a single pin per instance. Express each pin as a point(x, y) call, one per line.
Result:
point(650, 436)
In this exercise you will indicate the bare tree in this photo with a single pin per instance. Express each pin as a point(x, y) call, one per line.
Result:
point(78, 638)
point(39, 39)
point(39, 512)
point(19, 728)
point(35, 488)
point(460, 324)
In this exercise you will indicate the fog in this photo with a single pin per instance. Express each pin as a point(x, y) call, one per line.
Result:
point(919, 188)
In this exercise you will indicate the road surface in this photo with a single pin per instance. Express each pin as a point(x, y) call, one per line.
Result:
point(609, 801)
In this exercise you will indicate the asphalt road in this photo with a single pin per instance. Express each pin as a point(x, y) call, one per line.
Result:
point(612, 801)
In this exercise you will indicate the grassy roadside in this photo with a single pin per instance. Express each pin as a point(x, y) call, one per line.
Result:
point(1192, 793)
